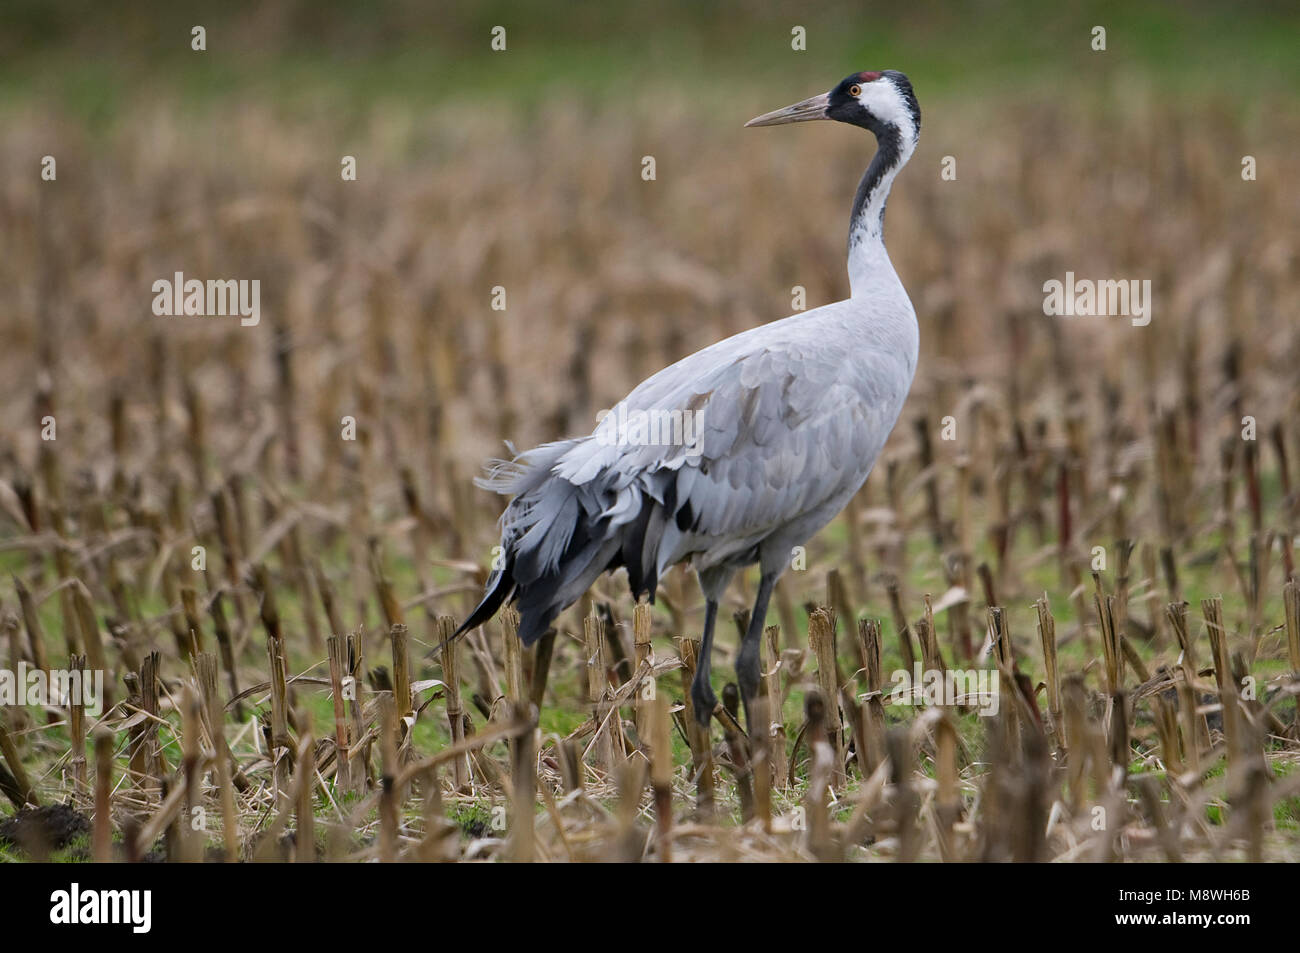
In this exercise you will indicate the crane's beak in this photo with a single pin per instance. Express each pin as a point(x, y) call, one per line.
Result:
point(814, 108)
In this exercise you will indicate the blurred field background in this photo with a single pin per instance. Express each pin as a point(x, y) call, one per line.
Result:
point(522, 170)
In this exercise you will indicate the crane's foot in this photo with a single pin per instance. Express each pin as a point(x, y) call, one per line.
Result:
point(703, 700)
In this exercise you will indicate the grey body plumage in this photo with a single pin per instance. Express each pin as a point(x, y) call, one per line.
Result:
point(789, 418)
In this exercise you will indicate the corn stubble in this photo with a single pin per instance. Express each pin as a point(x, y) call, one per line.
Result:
point(264, 594)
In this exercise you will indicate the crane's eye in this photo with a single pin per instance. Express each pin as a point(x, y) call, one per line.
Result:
point(855, 90)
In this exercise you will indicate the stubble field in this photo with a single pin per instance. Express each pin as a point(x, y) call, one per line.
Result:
point(258, 532)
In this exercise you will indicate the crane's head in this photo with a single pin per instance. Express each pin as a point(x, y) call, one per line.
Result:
point(882, 102)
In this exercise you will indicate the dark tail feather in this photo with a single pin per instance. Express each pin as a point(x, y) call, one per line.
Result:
point(536, 614)
point(534, 619)
point(541, 593)
point(492, 601)
point(533, 625)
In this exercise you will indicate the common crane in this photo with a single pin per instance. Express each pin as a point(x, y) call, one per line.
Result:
point(785, 421)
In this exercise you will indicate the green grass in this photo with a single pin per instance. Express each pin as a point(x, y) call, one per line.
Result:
point(337, 59)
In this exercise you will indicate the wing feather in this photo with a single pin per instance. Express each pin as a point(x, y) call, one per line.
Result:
point(780, 422)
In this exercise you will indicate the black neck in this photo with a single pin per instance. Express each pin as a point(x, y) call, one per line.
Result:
point(868, 215)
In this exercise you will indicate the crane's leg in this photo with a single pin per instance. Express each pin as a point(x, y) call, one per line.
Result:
point(747, 659)
point(713, 582)
point(702, 697)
